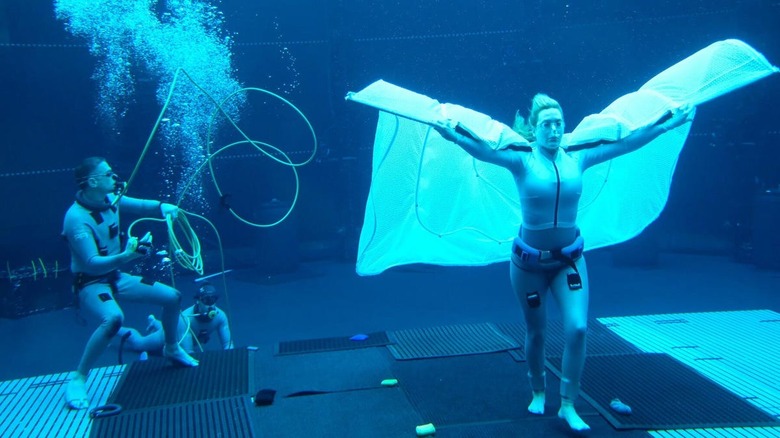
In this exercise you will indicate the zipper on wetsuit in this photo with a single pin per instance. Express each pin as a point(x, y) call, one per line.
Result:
point(557, 195)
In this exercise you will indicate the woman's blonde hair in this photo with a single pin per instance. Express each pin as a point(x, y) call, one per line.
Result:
point(525, 127)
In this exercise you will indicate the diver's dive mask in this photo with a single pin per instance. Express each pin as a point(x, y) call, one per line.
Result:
point(207, 298)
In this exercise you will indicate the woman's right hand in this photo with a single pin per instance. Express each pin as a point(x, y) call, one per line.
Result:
point(131, 248)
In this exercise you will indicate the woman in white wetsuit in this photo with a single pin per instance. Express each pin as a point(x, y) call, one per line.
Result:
point(547, 254)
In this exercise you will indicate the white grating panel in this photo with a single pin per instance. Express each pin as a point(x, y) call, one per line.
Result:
point(35, 407)
point(739, 350)
point(732, 432)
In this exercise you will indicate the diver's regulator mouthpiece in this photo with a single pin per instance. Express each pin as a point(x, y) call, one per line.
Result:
point(207, 314)
point(119, 186)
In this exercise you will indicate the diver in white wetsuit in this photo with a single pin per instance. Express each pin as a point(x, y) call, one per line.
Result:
point(547, 254)
point(91, 228)
point(196, 325)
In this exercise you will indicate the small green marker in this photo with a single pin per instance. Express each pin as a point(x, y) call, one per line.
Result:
point(390, 382)
point(425, 429)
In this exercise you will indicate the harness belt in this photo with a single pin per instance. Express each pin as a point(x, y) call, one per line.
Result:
point(82, 280)
point(546, 259)
point(537, 257)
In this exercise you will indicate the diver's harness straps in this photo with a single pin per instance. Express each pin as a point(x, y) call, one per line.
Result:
point(536, 258)
point(82, 280)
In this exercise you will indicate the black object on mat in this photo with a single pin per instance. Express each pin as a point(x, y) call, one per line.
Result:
point(156, 382)
point(663, 394)
point(377, 339)
point(265, 397)
point(446, 341)
point(213, 418)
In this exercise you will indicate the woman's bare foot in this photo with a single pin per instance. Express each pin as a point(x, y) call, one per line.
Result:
point(567, 412)
point(537, 404)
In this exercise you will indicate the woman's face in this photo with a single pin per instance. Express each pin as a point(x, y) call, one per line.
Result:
point(549, 128)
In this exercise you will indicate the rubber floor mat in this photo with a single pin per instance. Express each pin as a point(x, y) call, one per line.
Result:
point(663, 394)
point(377, 339)
point(374, 413)
point(156, 382)
point(537, 427)
point(210, 418)
point(478, 388)
point(446, 341)
point(600, 339)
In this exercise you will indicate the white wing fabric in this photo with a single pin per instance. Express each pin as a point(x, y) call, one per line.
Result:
point(431, 202)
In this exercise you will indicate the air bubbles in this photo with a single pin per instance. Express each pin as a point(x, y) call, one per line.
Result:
point(292, 80)
point(186, 34)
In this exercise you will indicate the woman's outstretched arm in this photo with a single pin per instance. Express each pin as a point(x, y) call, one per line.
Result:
point(479, 149)
point(637, 139)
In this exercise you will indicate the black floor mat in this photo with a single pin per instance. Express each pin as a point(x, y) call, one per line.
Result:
point(663, 394)
point(600, 339)
point(156, 382)
point(375, 413)
point(473, 389)
point(446, 341)
point(211, 418)
point(376, 339)
point(535, 428)
point(330, 371)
